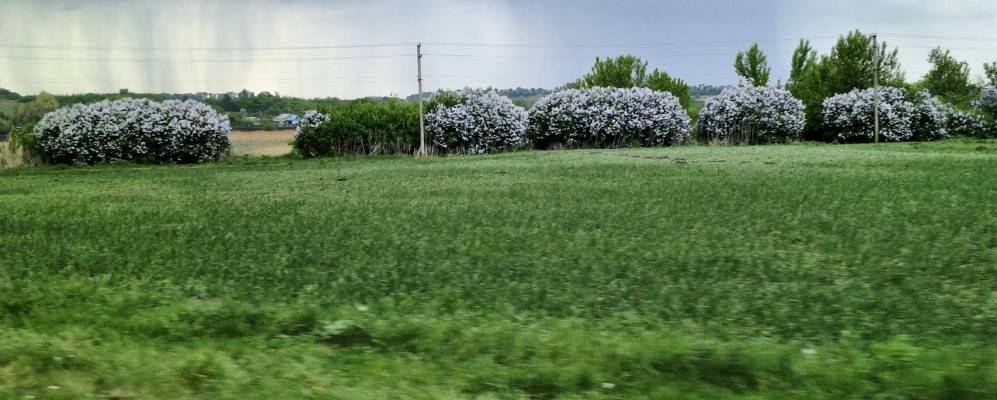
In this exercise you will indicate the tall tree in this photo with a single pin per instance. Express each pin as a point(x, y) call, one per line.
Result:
point(804, 58)
point(661, 81)
point(625, 71)
point(990, 72)
point(753, 66)
point(948, 78)
point(851, 64)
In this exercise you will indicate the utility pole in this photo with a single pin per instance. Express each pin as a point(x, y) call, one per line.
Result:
point(422, 125)
point(875, 86)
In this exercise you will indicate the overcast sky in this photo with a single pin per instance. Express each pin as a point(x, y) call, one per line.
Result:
point(226, 45)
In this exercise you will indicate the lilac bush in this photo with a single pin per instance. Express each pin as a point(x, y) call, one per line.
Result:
point(987, 102)
point(901, 117)
point(748, 114)
point(138, 130)
point(476, 121)
point(305, 135)
point(607, 117)
point(961, 123)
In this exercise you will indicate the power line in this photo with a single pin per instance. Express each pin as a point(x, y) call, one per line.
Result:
point(964, 38)
point(238, 48)
point(569, 56)
point(620, 44)
point(215, 60)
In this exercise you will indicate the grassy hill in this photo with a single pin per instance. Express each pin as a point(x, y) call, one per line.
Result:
point(798, 271)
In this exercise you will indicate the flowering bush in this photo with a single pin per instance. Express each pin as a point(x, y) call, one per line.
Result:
point(307, 138)
point(748, 114)
point(930, 120)
point(607, 117)
point(850, 116)
point(987, 102)
point(138, 130)
point(475, 121)
point(961, 123)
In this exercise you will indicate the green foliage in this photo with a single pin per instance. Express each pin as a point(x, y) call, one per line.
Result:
point(948, 79)
point(849, 66)
point(34, 110)
point(625, 71)
point(753, 66)
point(990, 73)
point(8, 95)
point(662, 82)
point(217, 281)
point(629, 71)
point(365, 127)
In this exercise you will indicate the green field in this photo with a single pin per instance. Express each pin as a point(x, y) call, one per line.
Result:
point(7, 108)
point(794, 271)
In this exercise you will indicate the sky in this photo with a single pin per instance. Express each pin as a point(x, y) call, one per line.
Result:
point(348, 49)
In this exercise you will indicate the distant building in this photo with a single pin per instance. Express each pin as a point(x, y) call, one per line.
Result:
point(286, 121)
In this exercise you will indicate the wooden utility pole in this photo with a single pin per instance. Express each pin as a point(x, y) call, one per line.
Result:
point(422, 125)
point(875, 86)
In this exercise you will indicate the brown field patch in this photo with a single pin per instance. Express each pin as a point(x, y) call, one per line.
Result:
point(261, 143)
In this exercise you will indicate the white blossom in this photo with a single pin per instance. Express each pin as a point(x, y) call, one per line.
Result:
point(850, 115)
point(137, 130)
point(607, 117)
point(481, 121)
point(768, 114)
point(987, 102)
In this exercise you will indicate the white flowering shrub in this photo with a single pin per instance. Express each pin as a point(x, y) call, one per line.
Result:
point(748, 114)
point(930, 117)
point(987, 102)
point(137, 130)
point(961, 123)
point(476, 121)
point(607, 117)
point(307, 136)
point(850, 116)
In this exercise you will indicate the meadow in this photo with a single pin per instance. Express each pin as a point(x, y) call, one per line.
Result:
point(791, 271)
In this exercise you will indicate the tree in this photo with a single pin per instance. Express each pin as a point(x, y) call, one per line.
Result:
point(629, 71)
point(948, 78)
point(625, 71)
point(9, 95)
point(662, 82)
point(804, 59)
point(851, 64)
point(753, 66)
point(34, 110)
point(990, 71)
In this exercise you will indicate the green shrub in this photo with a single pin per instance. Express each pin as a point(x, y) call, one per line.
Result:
point(361, 127)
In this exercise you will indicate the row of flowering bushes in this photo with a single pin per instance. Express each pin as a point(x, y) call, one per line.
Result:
point(136, 130)
point(482, 121)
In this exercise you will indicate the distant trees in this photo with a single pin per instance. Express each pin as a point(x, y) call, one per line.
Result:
point(629, 71)
point(948, 78)
point(8, 95)
point(753, 66)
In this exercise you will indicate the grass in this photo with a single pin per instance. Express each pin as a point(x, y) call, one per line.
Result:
point(800, 271)
point(7, 108)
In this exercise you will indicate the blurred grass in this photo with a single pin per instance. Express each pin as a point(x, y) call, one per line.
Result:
point(800, 271)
